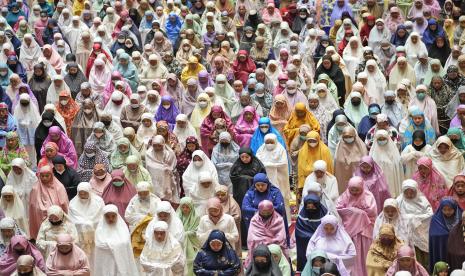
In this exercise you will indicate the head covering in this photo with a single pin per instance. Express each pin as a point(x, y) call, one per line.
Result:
point(191, 175)
point(433, 186)
point(375, 180)
point(419, 210)
point(339, 244)
point(119, 192)
point(308, 221)
point(114, 239)
point(449, 164)
point(164, 256)
point(365, 201)
point(388, 158)
point(271, 268)
point(308, 155)
point(8, 262)
point(85, 212)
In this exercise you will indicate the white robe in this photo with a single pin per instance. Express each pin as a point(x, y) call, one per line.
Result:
point(138, 209)
point(225, 224)
point(113, 250)
point(15, 209)
point(277, 169)
point(191, 175)
point(22, 183)
point(410, 156)
point(165, 258)
point(85, 215)
point(388, 158)
point(48, 233)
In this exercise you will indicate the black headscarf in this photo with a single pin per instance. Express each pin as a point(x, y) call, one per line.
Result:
point(270, 268)
point(242, 174)
point(335, 73)
point(42, 130)
point(69, 177)
point(419, 134)
point(442, 53)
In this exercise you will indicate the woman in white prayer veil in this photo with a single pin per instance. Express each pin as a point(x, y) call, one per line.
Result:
point(56, 223)
point(327, 181)
point(202, 191)
point(183, 129)
point(84, 49)
point(58, 85)
point(274, 157)
point(316, 188)
point(352, 55)
point(13, 207)
point(415, 207)
point(74, 31)
point(143, 204)
point(200, 163)
point(391, 215)
point(64, 20)
point(162, 255)
point(414, 47)
point(28, 118)
point(147, 128)
point(385, 153)
point(102, 36)
point(113, 251)
point(167, 214)
point(376, 82)
point(21, 178)
point(109, 21)
point(51, 107)
point(116, 103)
point(85, 211)
point(29, 53)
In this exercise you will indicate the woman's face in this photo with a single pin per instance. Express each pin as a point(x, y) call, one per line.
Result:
point(418, 120)
point(222, 196)
point(17, 170)
point(437, 83)
point(405, 263)
point(365, 167)
point(326, 64)
point(261, 186)
point(460, 188)
point(410, 193)
point(424, 171)
point(313, 103)
point(248, 116)
point(185, 209)
point(443, 148)
point(46, 177)
point(390, 212)
point(448, 211)
point(329, 229)
point(83, 195)
point(245, 158)
point(216, 245)
point(50, 153)
point(401, 33)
